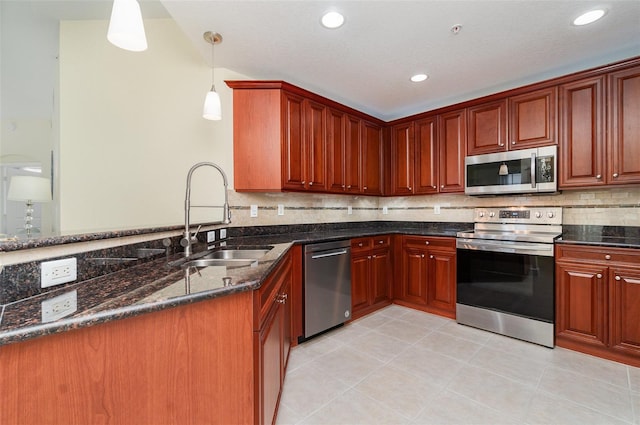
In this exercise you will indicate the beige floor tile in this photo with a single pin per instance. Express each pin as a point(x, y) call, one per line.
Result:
point(507, 396)
point(307, 389)
point(427, 321)
point(634, 378)
point(348, 332)
point(394, 311)
point(347, 365)
point(380, 346)
point(635, 400)
point(587, 391)
point(547, 409)
point(466, 332)
point(404, 331)
point(521, 348)
point(354, 408)
point(436, 368)
point(453, 409)
point(287, 416)
point(443, 343)
point(514, 366)
point(607, 371)
point(407, 393)
point(373, 321)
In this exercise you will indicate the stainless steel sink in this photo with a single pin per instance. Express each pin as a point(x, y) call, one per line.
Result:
point(208, 262)
point(242, 254)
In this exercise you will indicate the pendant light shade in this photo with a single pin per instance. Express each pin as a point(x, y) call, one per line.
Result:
point(212, 107)
point(126, 29)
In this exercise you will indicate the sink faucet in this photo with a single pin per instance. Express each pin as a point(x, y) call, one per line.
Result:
point(188, 239)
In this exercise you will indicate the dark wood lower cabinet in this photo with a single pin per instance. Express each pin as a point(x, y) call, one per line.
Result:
point(371, 274)
point(598, 300)
point(427, 271)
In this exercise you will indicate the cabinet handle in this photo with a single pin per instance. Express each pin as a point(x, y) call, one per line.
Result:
point(426, 242)
point(618, 278)
point(599, 176)
point(599, 276)
point(607, 257)
point(281, 298)
point(615, 175)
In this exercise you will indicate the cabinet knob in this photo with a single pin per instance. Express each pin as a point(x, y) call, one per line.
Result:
point(303, 182)
point(607, 257)
point(349, 187)
point(426, 242)
point(422, 256)
point(442, 187)
point(368, 257)
point(310, 183)
point(281, 298)
point(360, 244)
point(381, 241)
point(501, 144)
point(618, 278)
point(343, 186)
point(431, 256)
point(374, 256)
point(599, 176)
point(615, 175)
point(365, 188)
point(410, 188)
point(599, 276)
point(435, 187)
point(513, 143)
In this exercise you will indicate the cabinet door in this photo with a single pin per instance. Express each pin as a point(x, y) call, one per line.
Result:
point(380, 276)
point(402, 159)
point(426, 156)
point(336, 151)
point(293, 149)
point(359, 282)
point(582, 161)
point(487, 130)
point(581, 313)
point(452, 146)
point(624, 127)
point(287, 321)
point(270, 364)
point(316, 146)
point(624, 308)
point(441, 290)
point(414, 275)
point(372, 151)
point(532, 119)
point(353, 149)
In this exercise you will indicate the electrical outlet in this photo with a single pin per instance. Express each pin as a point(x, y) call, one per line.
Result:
point(385, 210)
point(280, 209)
point(211, 236)
point(57, 272)
point(436, 209)
point(254, 211)
point(349, 210)
point(223, 233)
point(60, 306)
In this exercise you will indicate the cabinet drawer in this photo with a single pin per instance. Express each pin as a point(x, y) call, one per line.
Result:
point(602, 255)
point(361, 244)
point(429, 242)
point(381, 241)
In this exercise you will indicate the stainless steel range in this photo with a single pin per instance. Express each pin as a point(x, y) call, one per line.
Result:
point(505, 272)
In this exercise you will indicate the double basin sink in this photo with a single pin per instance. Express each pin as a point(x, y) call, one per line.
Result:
point(228, 257)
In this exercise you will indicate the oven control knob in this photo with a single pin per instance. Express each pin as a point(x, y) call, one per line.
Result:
point(538, 214)
point(481, 214)
point(550, 214)
point(492, 214)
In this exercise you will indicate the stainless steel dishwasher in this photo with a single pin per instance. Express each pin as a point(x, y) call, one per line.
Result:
point(327, 286)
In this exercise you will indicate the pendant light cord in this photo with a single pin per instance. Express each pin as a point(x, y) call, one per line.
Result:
point(213, 63)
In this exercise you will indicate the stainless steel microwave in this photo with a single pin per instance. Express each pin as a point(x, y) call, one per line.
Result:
point(520, 171)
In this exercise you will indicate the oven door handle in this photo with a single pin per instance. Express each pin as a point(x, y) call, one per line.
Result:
point(505, 246)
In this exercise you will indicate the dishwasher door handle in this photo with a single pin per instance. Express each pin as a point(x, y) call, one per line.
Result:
point(329, 254)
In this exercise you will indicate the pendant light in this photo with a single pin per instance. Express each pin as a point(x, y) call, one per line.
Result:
point(212, 108)
point(126, 29)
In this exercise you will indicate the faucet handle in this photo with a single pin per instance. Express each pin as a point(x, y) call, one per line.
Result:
point(196, 232)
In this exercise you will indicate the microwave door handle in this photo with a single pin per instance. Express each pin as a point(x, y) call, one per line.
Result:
point(533, 170)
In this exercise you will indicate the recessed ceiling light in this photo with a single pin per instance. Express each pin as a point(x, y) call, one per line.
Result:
point(332, 20)
point(419, 77)
point(589, 17)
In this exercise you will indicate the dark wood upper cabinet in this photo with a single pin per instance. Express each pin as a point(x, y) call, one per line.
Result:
point(582, 141)
point(402, 159)
point(315, 157)
point(532, 119)
point(623, 148)
point(487, 128)
point(293, 140)
point(336, 150)
point(372, 155)
point(353, 155)
point(452, 146)
point(426, 156)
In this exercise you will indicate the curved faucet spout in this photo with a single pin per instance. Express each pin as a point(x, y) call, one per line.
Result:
point(188, 238)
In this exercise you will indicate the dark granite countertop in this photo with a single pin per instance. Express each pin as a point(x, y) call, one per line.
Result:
point(155, 285)
point(613, 236)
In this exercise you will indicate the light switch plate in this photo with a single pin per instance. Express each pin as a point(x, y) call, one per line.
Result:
point(211, 236)
point(223, 233)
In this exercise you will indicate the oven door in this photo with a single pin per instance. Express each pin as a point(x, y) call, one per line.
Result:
point(508, 277)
